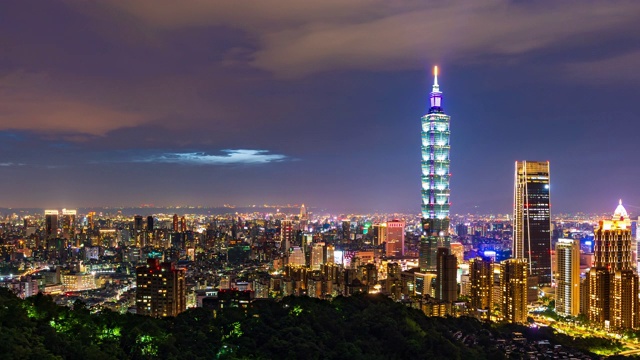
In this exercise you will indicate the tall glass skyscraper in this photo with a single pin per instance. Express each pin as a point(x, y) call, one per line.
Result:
point(532, 218)
point(435, 180)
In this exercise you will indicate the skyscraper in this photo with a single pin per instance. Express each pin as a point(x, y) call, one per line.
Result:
point(286, 235)
point(69, 225)
point(176, 223)
point(531, 218)
point(51, 223)
point(612, 248)
point(568, 290)
point(513, 283)
point(446, 282)
point(183, 224)
point(481, 279)
point(150, 223)
point(395, 239)
point(435, 179)
point(160, 289)
point(137, 223)
point(613, 281)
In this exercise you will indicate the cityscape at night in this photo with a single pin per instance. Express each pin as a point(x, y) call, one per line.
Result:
point(321, 180)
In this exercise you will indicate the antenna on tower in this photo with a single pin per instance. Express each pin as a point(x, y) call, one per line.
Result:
point(436, 87)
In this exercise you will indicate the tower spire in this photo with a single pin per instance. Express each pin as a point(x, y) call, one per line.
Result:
point(435, 98)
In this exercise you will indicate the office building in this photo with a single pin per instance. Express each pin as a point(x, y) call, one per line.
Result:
point(69, 224)
point(435, 179)
point(346, 230)
point(446, 280)
point(51, 223)
point(514, 274)
point(395, 239)
point(137, 223)
point(531, 218)
point(568, 281)
point(150, 226)
point(160, 289)
point(379, 234)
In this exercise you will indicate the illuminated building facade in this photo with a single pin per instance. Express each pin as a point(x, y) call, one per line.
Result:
point(176, 223)
point(513, 283)
point(481, 279)
point(624, 312)
point(613, 281)
point(568, 290)
point(69, 224)
point(395, 239)
point(286, 235)
point(531, 218)
point(78, 281)
point(612, 248)
point(435, 180)
point(160, 289)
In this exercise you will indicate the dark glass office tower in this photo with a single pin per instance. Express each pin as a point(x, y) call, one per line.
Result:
point(531, 218)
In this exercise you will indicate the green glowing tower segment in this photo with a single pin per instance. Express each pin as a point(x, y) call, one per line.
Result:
point(435, 179)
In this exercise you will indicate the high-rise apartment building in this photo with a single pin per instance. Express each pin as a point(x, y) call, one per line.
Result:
point(160, 289)
point(446, 271)
point(150, 223)
point(395, 239)
point(613, 281)
point(176, 223)
point(183, 224)
point(625, 311)
point(435, 179)
point(51, 223)
point(317, 256)
point(513, 283)
point(531, 218)
point(481, 279)
point(612, 238)
point(286, 235)
point(568, 289)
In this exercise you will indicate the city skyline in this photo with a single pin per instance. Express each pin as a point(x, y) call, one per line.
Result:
point(111, 104)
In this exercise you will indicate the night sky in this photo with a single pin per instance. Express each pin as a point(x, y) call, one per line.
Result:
point(285, 101)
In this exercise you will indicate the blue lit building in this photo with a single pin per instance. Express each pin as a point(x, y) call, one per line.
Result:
point(435, 179)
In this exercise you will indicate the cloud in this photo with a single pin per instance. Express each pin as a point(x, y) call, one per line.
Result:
point(296, 38)
point(8, 164)
point(239, 156)
point(36, 102)
point(623, 68)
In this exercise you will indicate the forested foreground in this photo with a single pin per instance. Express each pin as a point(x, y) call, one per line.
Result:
point(358, 327)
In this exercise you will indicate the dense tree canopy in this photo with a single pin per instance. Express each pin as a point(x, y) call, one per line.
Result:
point(357, 327)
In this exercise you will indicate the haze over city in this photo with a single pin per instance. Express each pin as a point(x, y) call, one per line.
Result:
point(207, 103)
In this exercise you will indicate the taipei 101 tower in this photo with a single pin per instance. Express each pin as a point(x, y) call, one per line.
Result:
point(435, 179)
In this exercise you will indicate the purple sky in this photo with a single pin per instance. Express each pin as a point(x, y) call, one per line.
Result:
point(282, 101)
